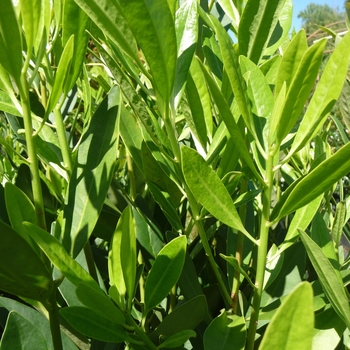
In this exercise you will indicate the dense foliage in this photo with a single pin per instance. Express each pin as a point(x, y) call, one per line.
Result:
point(168, 178)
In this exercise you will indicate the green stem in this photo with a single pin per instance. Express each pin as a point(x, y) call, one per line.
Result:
point(90, 261)
point(54, 322)
point(239, 250)
point(62, 139)
point(148, 342)
point(32, 155)
point(262, 253)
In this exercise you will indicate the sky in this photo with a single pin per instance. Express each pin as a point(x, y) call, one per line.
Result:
point(300, 5)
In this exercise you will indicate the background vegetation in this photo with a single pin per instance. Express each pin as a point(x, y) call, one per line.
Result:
point(173, 175)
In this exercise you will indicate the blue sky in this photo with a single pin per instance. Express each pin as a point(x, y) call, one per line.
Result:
point(300, 5)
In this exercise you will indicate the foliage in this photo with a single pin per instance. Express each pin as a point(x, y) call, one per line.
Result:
point(162, 187)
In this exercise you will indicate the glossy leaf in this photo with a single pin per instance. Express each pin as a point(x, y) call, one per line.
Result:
point(231, 10)
point(99, 303)
point(185, 316)
point(290, 61)
point(209, 190)
point(230, 122)
point(20, 209)
point(327, 92)
point(20, 333)
point(153, 27)
point(93, 325)
point(292, 325)
point(331, 285)
point(38, 321)
point(338, 224)
point(177, 339)
point(30, 12)
point(107, 16)
point(300, 88)
point(59, 257)
point(21, 270)
point(224, 331)
point(91, 175)
point(75, 22)
point(61, 74)
point(256, 27)
point(186, 28)
point(165, 272)
point(10, 41)
point(314, 183)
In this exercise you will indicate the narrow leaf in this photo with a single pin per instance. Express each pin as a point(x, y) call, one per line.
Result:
point(91, 175)
point(208, 189)
point(315, 183)
point(177, 339)
point(326, 94)
point(153, 27)
point(338, 224)
point(329, 280)
point(256, 27)
point(292, 325)
point(165, 272)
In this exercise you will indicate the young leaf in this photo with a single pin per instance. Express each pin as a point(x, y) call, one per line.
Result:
point(153, 27)
point(315, 183)
point(209, 190)
point(331, 285)
point(91, 175)
point(224, 331)
point(75, 22)
point(256, 27)
point(338, 224)
point(22, 272)
point(165, 272)
point(186, 28)
point(93, 325)
point(327, 92)
point(10, 41)
point(19, 333)
point(291, 327)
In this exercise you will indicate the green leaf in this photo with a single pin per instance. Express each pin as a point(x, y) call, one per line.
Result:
point(10, 41)
point(19, 333)
point(234, 262)
point(107, 16)
point(344, 104)
point(20, 209)
point(75, 22)
point(186, 29)
point(59, 257)
point(208, 189)
point(290, 61)
point(93, 325)
point(300, 88)
point(22, 272)
point(327, 92)
point(257, 24)
point(224, 331)
point(177, 339)
point(38, 321)
point(91, 176)
point(99, 303)
point(165, 272)
point(185, 316)
point(338, 224)
point(230, 122)
point(231, 10)
point(331, 285)
point(61, 75)
point(291, 327)
point(153, 27)
point(314, 184)
point(128, 252)
point(6, 104)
